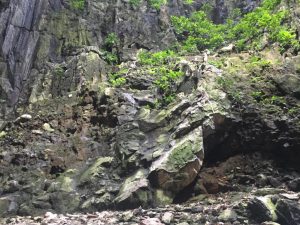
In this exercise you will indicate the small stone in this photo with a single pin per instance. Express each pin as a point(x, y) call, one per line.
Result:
point(151, 221)
point(4, 205)
point(197, 209)
point(50, 215)
point(23, 118)
point(183, 223)
point(47, 127)
point(100, 191)
point(294, 185)
point(269, 223)
point(38, 132)
point(109, 92)
point(294, 196)
point(228, 48)
point(167, 217)
point(26, 116)
point(2, 134)
point(127, 216)
point(228, 215)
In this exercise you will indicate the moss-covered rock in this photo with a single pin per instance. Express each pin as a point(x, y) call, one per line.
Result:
point(179, 166)
point(90, 175)
point(135, 191)
point(4, 206)
point(65, 182)
point(263, 209)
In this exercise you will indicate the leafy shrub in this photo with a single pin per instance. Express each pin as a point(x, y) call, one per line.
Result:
point(77, 4)
point(198, 32)
point(135, 2)
point(156, 4)
point(257, 95)
point(225, 83)
point(188, 2)
point(59, 71)
point(275, 100)
point(165, 81)
point(157, 58)
point(251, 28)
point(110, 58)
point(162, 63)
point(207, 8)
point(117, 79)
point(270, 4)
point(111, 43)
point(166, 76)
point(111, 40)
point(256, 61)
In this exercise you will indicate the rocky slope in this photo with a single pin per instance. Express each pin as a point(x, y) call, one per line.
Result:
point(39, 37)
point(71, 141)
point(241, 190)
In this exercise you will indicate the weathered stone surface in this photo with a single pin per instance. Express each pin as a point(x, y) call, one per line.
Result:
point(288, 212)
point(135, 191)
point(289, 84)
point(228, 215)
point(94, 170)
point(179, 165)
point(98, 138)
point(263, 209)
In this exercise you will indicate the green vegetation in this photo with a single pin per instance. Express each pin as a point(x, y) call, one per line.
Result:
point(188, 2)
point(117, 79)
point(263, 21)
point(165, 80)
point(294, 111)
point(2, 134)
point(59, 71)
point(77, 4)
point(111, 40)
point(110, 58)
point(227, 84)
point(257, 62)
point(111, 44)
point(157, 58)
point(162, 66)
point(274, 100)
point(156, 4)
point(135, 2)
point(198, 32)
point(217, 63)
point(257, 95)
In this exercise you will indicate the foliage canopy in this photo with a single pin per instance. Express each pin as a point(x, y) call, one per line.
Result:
point(198, 32)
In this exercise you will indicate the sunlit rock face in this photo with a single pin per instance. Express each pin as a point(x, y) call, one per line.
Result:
point(71, 141)
point(37, 36)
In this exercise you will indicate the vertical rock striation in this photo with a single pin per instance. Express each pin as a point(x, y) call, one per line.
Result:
point(19, 39)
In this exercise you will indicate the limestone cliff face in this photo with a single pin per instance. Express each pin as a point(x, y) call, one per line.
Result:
point(19, 39)
point(82, 144)
point(39, 37)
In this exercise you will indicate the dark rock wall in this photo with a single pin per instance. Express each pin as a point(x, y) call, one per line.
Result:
point(37, 36)
point(19, 38)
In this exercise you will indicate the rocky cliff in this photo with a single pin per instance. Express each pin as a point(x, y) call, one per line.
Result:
point(72, 141)
point(37, 37)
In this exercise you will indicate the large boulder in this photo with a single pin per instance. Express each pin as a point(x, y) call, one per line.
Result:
point(288, 212)
point(135, 191)
point(263, 209)
point(179, 165)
